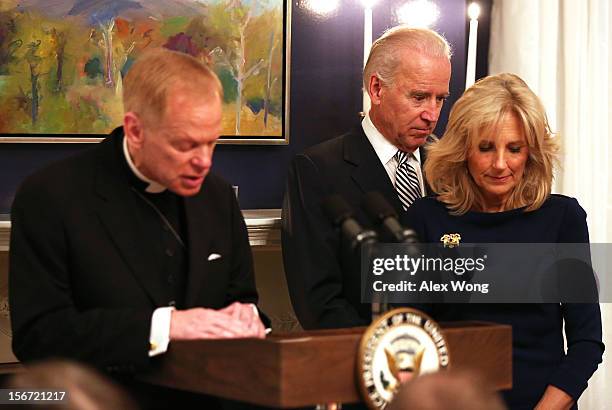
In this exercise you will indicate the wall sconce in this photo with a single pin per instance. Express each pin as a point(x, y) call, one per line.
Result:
point(367, 45)
point(321, 8)
point(418, 13)
point(470, 72)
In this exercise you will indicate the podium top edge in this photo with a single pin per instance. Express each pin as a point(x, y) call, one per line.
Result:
point(350, 333)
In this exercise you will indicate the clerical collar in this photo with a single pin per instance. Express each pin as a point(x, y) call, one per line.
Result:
point(383, 148)
point(153, 187)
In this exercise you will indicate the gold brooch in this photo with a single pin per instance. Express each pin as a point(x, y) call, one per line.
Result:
point(450, 240)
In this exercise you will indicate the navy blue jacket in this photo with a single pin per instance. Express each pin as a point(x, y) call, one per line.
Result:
point(539, 358)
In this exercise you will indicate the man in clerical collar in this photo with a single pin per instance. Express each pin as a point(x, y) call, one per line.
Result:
point(119, 251)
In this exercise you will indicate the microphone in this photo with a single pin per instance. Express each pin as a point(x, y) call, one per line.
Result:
point(339, 214)
point(383, 214)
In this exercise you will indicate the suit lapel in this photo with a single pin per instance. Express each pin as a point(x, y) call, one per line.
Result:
point(116, 207)
point(423, 155)
point(369, 173)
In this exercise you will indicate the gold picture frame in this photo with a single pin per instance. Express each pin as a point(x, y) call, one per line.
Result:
point(60, 84)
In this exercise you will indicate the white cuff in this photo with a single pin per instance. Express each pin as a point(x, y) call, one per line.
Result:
point(160, 330)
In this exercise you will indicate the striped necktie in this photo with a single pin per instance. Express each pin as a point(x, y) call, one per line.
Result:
point(406, 180)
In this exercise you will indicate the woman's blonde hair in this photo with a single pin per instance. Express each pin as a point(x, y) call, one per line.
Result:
point(480, 110)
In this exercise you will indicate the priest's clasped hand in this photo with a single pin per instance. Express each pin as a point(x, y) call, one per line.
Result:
point(238, 320)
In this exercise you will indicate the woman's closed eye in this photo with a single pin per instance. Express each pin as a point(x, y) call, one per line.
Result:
point(485, 146)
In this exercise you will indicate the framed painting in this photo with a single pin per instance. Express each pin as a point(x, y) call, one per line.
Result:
point(62, 63)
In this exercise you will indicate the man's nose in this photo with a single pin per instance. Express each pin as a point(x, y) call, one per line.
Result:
point(202, 158)
point(431, 111)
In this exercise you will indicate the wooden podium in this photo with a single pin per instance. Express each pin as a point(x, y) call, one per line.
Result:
point(309, 368)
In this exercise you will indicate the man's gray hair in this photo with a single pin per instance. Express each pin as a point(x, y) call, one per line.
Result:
point(385, 55)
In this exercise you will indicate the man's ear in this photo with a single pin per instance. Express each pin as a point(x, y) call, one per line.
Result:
point(375, 89)
point(132, 128)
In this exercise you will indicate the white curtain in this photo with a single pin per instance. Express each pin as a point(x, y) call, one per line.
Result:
point(561, 48)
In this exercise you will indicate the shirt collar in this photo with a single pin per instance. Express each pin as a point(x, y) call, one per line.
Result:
point(153, 187)
point(384, 149)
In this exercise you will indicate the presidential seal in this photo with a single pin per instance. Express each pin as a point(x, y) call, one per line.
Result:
point(397, 347)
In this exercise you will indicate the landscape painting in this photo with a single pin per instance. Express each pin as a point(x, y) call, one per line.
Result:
point(62, 62)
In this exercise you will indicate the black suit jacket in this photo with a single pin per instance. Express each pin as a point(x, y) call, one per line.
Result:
point(82, 281)
point(323, 279)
